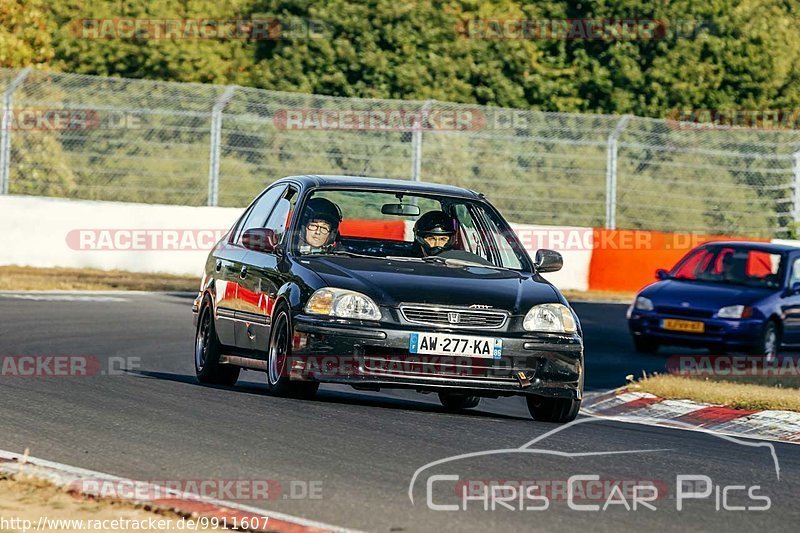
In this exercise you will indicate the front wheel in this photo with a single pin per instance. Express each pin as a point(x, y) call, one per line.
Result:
point(456, 402)
point(278, 360)
point(769, 341)
point(553, 409)
point(207, 351)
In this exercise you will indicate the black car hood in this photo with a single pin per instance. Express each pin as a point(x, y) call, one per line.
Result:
point(391, 282)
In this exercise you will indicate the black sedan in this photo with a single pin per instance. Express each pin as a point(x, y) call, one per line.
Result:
point(387, 284)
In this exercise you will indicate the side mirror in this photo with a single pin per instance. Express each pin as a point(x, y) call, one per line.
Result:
point(260, 240)
point(794, 288)
point(662, 274)
point(548, 261)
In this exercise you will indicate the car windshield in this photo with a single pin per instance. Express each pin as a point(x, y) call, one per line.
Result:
point(381, 224)
point(731, 265)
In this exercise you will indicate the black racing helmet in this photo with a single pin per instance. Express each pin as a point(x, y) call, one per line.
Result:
point(323, 209)
point(434, 223)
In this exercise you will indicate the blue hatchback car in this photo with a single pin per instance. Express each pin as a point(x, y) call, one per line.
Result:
point(725, 296)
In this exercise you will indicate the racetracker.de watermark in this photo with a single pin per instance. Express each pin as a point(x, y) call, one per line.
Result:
point(531, 238)
point(149, 29)
point(380, 119)
point(59, 119)
point(784, 366)
point(65, 366)
point(563, 29)
point(561, 490)
point(213, 488)
point(141, 239)
point(588, 239)
point(723, 119)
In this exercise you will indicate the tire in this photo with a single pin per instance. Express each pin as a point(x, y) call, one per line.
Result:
point(769, 342)
point(207, 351)
point(645, 344)
point(279, 352)
point(453, 401)
point(558, 410)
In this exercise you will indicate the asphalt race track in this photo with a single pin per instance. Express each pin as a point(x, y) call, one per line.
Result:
point(348, 458)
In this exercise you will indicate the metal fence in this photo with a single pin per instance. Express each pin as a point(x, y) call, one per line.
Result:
point(118, 139)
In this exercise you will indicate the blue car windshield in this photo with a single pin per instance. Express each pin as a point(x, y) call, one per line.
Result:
point(731, 265)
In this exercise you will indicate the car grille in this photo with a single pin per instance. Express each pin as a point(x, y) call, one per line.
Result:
point(466, 317)
point(684, 311)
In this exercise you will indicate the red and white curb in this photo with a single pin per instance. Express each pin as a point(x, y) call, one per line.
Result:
point(643, 407)
point(182, 503)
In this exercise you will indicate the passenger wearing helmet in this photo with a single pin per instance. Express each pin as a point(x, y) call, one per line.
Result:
point(434, 232)
point(319, 226)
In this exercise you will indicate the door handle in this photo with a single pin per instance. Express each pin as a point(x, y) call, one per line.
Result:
point(243, 272)
point(218, 266)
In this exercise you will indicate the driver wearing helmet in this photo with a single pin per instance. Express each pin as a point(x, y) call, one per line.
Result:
point(319, 226)
point(433, 233)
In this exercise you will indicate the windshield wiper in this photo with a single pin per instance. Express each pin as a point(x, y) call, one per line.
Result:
point(457, 262)
point(348, 254)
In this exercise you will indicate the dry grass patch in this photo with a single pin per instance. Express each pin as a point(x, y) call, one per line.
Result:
point(606, 296)
point(737, 395)
point(84, 279)
point(25, 497)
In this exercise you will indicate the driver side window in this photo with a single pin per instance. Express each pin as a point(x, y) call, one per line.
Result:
point(795, 277)
point(469, 236)
point(258, 214)
point(279, 218)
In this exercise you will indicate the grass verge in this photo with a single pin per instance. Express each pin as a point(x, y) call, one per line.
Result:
point(26, 498)
point(604, 296)
point(754, 394)
point(86, 279)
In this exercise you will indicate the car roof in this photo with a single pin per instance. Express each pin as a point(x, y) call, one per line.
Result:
point(377, 184)
point(756, 245)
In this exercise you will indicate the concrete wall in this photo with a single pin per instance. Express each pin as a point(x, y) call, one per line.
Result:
point(57, 232)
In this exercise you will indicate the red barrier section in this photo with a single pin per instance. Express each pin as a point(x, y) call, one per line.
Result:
point(385, 229)
point(626, 260)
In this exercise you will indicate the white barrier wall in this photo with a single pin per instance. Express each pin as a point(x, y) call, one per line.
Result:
point(573, 243)
point(57, 232)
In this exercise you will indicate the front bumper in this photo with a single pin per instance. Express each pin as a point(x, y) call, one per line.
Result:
point(731, 334)
point(341, 351)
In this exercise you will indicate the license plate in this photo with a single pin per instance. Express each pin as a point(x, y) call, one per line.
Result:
point(690, 326)
point(446, 344)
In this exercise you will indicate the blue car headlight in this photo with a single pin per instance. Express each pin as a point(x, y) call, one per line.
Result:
point(643, 304)
point(735, 311)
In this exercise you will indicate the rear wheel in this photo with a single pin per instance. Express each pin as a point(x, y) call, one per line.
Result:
point(455, 401)
point(553, 409)
point(207, 352)
point(278, 382)
point(645, 344)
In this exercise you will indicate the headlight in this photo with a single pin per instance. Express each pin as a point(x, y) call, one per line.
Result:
point(643, 304)
point(735, 311)
point(342, 303)
point(555, 318)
